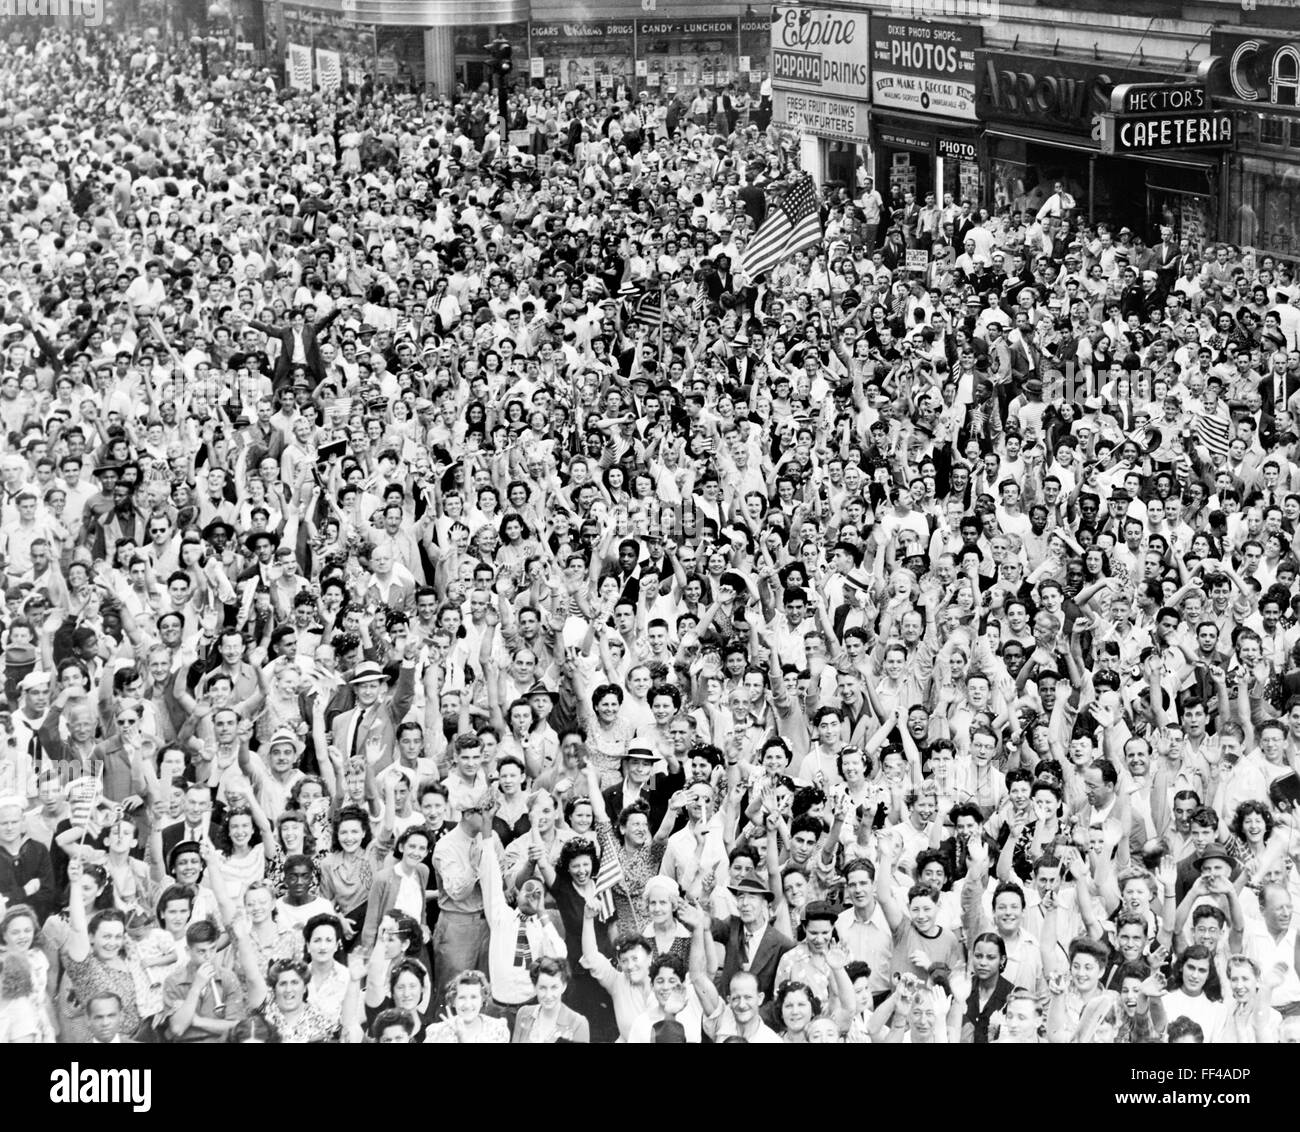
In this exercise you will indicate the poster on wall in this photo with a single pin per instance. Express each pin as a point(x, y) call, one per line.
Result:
point(329, 70)
point(902, 173)
point(968, 181)
point(299, 66)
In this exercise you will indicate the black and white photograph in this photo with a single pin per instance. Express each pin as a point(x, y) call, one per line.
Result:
point(632, 522)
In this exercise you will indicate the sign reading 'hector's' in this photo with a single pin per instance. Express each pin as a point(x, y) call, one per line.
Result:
point(820, 49)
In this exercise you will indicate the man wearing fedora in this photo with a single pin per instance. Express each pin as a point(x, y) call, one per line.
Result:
point(641, 783)
point(376, 714)
point(273, 780)
point(750, 940)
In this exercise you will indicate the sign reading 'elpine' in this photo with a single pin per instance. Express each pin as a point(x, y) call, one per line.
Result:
point(820, 49)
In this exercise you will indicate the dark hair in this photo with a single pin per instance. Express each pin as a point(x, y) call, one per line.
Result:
point(421, 830)
point(407, 966)
point(321, 919)
point(252, 1028)
point(670, 962)
point(789, 987)
point(1009, 886)
point(352, 813)
point(572, 850)
point(1244, 810)
point(557, 968)
point(629, 942)
point(174, 892)
point(933, 857)
point(1213, 988)
point(387, 1019)
point(201, 931)
point(1183, 1027)
point(997, 941)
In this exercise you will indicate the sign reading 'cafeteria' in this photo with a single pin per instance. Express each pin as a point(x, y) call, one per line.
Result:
point(822, 50)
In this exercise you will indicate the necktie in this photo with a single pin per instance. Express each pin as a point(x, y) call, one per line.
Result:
point(363, 724)
point(523, 954)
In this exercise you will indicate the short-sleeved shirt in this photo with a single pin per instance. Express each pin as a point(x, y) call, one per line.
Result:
point(941, 948)
point(231, 1009)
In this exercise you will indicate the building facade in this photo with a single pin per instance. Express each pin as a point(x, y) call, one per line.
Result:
point(625, 45)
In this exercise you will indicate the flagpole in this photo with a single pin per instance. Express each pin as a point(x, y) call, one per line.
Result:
point(663, 317)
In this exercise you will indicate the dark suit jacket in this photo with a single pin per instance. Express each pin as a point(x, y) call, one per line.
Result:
point(665, 786)
point(771, 947)
point(310, 343)
point(383, 896)
point(174, 834)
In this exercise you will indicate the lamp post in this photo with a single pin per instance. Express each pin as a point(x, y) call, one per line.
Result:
point(203, 43)
point(502, 67)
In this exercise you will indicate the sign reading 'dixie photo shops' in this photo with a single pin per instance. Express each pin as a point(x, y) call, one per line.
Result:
point(820, 50)
point(1153, 133)
point(924, 67)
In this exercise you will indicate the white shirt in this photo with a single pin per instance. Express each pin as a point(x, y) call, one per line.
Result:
point(691, 1019)
point(1262, 948)
point(1180, 1004)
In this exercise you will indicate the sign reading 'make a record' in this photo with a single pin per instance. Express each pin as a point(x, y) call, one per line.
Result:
point(821, 49)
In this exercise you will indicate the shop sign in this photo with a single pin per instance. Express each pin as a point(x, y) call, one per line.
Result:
point(835, 118)
point(686, 28)
point(954, 150)
point(1061, 94)
point(893, 138)
point(820, 49)
point(924, 67)
point(1255, 69)
point(580, 30)
point(1156, 133)
point(1157, 98)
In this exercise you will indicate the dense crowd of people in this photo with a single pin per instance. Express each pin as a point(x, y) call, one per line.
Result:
point(448, 600)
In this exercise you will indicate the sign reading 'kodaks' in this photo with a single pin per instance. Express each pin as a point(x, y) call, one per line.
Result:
point(822, 50)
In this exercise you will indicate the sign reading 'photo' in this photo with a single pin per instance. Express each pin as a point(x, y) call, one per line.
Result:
point(822, 50)
point(924, 67)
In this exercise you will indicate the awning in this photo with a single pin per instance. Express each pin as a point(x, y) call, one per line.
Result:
point(1041, 137)
point(1046, 137)
point(923, 123)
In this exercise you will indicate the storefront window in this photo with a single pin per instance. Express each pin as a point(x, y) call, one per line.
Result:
point(1022, 174)
point(597, 55)
point(1268, 192)
point(689, 55)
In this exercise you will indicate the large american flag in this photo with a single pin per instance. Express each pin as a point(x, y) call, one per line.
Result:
point(794, 224)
